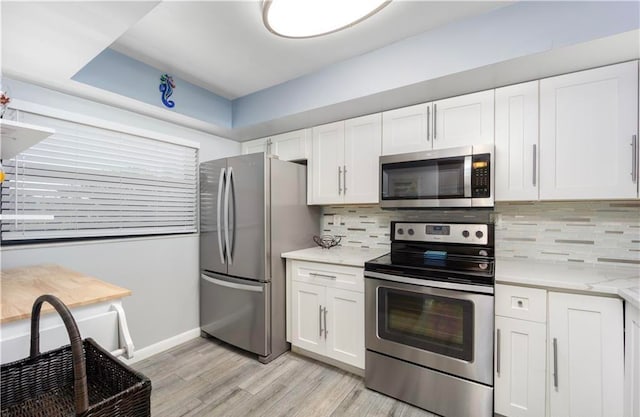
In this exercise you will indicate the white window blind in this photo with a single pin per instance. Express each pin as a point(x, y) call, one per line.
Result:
point(97, 182)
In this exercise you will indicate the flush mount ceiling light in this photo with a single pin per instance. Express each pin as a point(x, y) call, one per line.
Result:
point(309, 18)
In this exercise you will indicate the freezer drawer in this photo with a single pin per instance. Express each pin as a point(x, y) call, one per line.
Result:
point(236, 311)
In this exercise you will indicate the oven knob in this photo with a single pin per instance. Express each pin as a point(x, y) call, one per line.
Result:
point(465, 233)
point(410, 231)
point(400, 231)
point(479, 234)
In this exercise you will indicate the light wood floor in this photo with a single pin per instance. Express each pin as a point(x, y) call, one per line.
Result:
point(204, 377)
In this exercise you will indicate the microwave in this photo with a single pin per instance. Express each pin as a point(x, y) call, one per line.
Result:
point(455, 177)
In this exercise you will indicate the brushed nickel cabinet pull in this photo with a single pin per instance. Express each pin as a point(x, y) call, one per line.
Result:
point(339, 176)
point(315, 274)
point(555, 363)
point(498, 351)
point(325, 323)
point(344, 178)
point(634, 158)
point(535, 160)
point(435, 120)
point(320, 320)
point(428, 123)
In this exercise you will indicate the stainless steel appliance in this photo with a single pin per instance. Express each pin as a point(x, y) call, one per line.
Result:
point(252, 208)
point(429, 322)
point(455, 177)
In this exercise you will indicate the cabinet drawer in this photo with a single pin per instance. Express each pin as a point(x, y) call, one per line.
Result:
point(521, 303)
point(330, 275)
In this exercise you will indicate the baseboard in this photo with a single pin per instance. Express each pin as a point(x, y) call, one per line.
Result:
point(162, 345)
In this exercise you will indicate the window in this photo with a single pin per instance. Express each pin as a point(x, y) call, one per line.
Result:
point(97, 183)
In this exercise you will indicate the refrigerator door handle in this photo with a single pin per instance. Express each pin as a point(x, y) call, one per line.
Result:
point(226, 214)
point(218, 213)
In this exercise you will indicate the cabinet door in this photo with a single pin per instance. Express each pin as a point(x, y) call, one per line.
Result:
point(307, 320)
point(587, 123)
point(254, 146)
point(520, 376)
point(345, 326)
point(586, 356)
point(326, 164)
point(464, 120)
point(363, 144)
point(292, 146)
point(517, 142)
point(632, 361)
point(406, 129)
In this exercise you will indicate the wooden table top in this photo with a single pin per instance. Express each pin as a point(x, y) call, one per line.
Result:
point(21, 286)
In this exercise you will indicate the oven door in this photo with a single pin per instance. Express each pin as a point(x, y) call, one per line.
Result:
point(448, 330)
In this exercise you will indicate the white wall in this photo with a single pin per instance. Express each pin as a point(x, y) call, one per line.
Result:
point(162, 271)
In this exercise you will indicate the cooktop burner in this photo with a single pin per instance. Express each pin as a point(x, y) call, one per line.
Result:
point(458, 252)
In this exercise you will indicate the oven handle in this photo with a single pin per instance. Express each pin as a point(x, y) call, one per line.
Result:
point(429, 283)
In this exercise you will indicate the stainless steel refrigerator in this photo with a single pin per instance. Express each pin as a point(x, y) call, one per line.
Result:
point(252, 209)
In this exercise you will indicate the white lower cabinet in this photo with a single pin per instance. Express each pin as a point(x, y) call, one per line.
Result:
point(307, 316)
point(586, 356)
point(344, 326)
point(632, 361)
point(520, 367)
point(570, 366)
point(326, 318)
point(520, 363)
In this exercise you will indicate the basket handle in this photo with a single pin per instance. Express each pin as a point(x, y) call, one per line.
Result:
point(79, 367)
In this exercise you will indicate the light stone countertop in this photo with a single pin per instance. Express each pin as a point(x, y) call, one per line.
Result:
point(621, 281)
point(341, 255)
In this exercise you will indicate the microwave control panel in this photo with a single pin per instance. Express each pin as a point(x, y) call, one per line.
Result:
point(481, 176)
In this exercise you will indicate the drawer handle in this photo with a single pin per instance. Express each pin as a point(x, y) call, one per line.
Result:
point(520, 303)
point(315, 274)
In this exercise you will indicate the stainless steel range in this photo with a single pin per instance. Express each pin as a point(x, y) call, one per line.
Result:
point(429, 318)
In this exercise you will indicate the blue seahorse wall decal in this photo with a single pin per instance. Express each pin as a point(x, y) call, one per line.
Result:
point(166, 88)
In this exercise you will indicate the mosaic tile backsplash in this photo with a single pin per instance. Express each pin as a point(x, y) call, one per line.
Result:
point(604, 232)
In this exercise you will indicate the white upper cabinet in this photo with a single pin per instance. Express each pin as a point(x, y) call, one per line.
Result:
point(406, 129)
point(516, 139)
point(291, 146)
point(344, 163)
point(325, 166)
point(588, 134)
point(254, 146)
point(463, 121)
point(457, 121)
point(362, 146)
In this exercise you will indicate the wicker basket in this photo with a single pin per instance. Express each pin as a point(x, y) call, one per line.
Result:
point(80, 379)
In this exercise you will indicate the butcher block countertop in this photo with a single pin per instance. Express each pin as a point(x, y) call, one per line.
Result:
point(21, 287)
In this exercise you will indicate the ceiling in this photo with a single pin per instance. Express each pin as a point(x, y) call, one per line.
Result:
point(219, 45)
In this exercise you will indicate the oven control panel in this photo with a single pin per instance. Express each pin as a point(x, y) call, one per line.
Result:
point(468, 233)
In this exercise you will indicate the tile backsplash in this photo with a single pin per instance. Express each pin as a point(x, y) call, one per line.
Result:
point(604, 232)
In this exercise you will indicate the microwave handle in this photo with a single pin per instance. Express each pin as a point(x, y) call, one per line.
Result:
point(467, 176)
